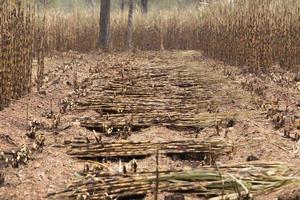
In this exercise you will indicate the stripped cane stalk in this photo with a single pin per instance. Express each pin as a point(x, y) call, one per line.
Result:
point(249, 178)
point(157, 175)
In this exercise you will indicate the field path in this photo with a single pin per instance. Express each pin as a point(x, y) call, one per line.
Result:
point(213, 94)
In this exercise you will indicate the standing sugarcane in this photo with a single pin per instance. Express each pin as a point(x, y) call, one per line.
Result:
point(104, 35)
point(16, 35)
point(40, 58)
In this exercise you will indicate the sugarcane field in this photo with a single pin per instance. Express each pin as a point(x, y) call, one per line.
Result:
point(149, 99)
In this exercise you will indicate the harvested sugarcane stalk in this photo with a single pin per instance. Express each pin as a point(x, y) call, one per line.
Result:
point(115, 123)
point(208, 150)
point(2, 178)
point(224, 182)
point(140, 97)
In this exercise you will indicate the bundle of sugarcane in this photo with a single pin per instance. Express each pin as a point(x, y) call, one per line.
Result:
point(146, 99)
point(156, 102)
point(151, 91)
point(145, 104)
point(153, 85)
point(228, 182)
point(209, 149)
point(145, 96)
point(116, 123)
point(171, 84)
point(146, 108)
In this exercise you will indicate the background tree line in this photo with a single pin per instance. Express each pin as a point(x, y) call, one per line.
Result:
point(115, 4)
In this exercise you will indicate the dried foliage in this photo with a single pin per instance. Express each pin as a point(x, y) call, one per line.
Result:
point(79, 29)
point(215, 183)
point(253, 33)
point(131, 97)
point(209, 149)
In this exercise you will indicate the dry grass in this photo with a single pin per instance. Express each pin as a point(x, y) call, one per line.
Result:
point(78, 30)
point(255, 33)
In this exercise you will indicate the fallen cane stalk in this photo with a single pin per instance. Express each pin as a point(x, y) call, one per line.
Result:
point(251, 178)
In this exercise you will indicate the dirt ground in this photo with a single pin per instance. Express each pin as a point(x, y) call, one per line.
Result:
point(52, 169)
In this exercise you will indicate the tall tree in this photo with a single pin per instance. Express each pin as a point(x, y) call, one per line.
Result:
point(45, 2)
point(144, 4)
point(104, 35)
point(90, 3)
point(130, 26)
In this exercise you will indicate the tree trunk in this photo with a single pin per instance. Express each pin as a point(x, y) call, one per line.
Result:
point(45, 2)
point(90, 3)
point(122, 2)
point(104, 35)
point(144, 6)
point(180, 4)
point(130, 26)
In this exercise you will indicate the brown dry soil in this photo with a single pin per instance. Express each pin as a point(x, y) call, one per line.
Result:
point(52, 169)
